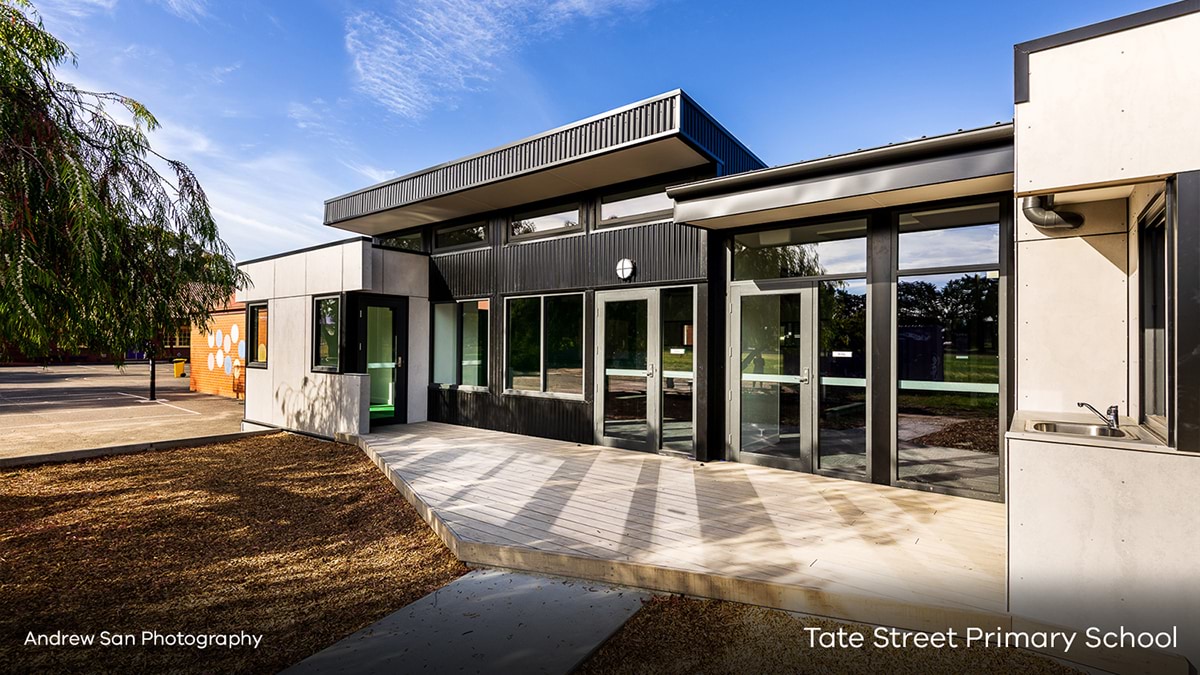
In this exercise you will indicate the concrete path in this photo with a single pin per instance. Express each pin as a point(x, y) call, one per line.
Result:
point(75, 407)
point(488, 621)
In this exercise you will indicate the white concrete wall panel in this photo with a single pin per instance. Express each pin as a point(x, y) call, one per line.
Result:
point(1072, 331)
point(323, 270)
point(356, 267)
point(291, 276)
point(1116, 108)
point(262, 281)
point(418, 359)
point(1105, 537)
point(258, 394)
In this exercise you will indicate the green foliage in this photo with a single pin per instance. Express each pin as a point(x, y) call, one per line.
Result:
point(98, 249)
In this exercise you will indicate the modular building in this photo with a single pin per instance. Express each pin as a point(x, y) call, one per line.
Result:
point(925, 315)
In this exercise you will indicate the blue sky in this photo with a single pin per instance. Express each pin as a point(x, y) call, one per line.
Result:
point(278, 106)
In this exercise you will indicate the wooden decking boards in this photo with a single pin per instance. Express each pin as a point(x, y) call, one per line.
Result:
point(506, 497)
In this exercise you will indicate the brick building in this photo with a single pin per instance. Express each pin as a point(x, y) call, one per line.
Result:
point(218, 356)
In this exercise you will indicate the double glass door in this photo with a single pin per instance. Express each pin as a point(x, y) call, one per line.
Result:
point(645, 369)
point(798, 377)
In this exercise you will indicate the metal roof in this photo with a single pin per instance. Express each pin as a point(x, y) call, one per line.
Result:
point(657, 135)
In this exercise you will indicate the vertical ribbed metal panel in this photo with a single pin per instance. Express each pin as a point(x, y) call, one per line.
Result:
point(463, 274)
point(625, 126)
point(560, 419)
point(663, 253)
point(559, 262)
point(704, 131)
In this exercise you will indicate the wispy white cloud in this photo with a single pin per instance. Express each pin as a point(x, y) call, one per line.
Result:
point(423, 53)
point(74, 8)
point(371, 173)
point(217, 74)
point(192, 10)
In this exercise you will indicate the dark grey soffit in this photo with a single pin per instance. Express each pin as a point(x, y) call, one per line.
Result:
point(659, 134)
point(1022, 51)
point(860, 160)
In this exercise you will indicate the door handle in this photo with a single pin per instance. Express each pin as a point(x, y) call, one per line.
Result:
point(399, 361)
point(650, 370)
point(805, 376)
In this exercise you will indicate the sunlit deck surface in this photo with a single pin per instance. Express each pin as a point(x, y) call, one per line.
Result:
point(504, 496)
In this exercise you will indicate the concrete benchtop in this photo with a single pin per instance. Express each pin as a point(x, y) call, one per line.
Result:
point(1146, 441)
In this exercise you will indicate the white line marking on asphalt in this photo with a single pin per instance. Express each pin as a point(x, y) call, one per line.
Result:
point(161, 402)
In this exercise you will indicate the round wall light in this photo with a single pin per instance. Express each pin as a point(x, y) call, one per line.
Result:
point(625, 269)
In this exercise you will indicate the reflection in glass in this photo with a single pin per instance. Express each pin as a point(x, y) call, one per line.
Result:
point(329, 334)
point(409, 241)
point(564, 344)
point(626, 325)
point(445, 342)
point(948, 366)
point(842, 369)
point(544, 221)
point(461, 235)
point(652, 203)
point(258, 338)
point(963, 235)
point(811, 250)
point(524, 357)
point(381, 362)
point(678, 377)
point(770, 375)
point(475, 342)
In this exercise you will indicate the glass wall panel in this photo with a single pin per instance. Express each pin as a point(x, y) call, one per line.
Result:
point(474, 348)
point(328, 341)
point(948, 367)
point(564, 344)
point(678, 374)
point(626, 331)
point(963, 235)
point(842, 373)
point(445, 343)
point(1152, 277)
point(549, 220)
point(811, 250)
point(770, 375)
point(460, 235)
point(524, 351)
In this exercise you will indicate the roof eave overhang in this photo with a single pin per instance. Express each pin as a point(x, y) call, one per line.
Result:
point(871, 179)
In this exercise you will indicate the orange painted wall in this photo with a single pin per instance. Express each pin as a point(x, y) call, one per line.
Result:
point(218, 356)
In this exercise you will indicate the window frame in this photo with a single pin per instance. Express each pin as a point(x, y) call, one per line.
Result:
point(252, 335)
point(1155, 216)
point(541, 297)
point(559, 207)
point(458, 342)
point(418, 233)
point(441, 229)
point(314, 364)
point(646, 218)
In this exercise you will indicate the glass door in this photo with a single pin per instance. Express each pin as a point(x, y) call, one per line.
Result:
point(798, 377)
point(384, 325)
point(626, 407)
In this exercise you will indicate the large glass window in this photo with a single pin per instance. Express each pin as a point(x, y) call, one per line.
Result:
point(646, 205)
point(460, 343)
point(953, 237)
point(407, 241)
point(842, 376)
point(544, 346)
point(327, 339)
point(948, 371)
point(459, 236)
point(257, 340)
point(545, 221)
point(1152, 279)
point(810, 250)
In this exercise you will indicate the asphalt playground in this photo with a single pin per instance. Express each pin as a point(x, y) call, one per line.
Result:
point(85, 406)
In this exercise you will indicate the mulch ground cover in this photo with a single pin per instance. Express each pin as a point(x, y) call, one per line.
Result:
point(682, 635)
point(295, 539)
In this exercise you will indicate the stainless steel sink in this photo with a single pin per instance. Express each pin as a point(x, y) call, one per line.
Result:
point(1076, 429)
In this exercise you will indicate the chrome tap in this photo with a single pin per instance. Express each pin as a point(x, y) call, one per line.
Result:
point(1112, 419)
